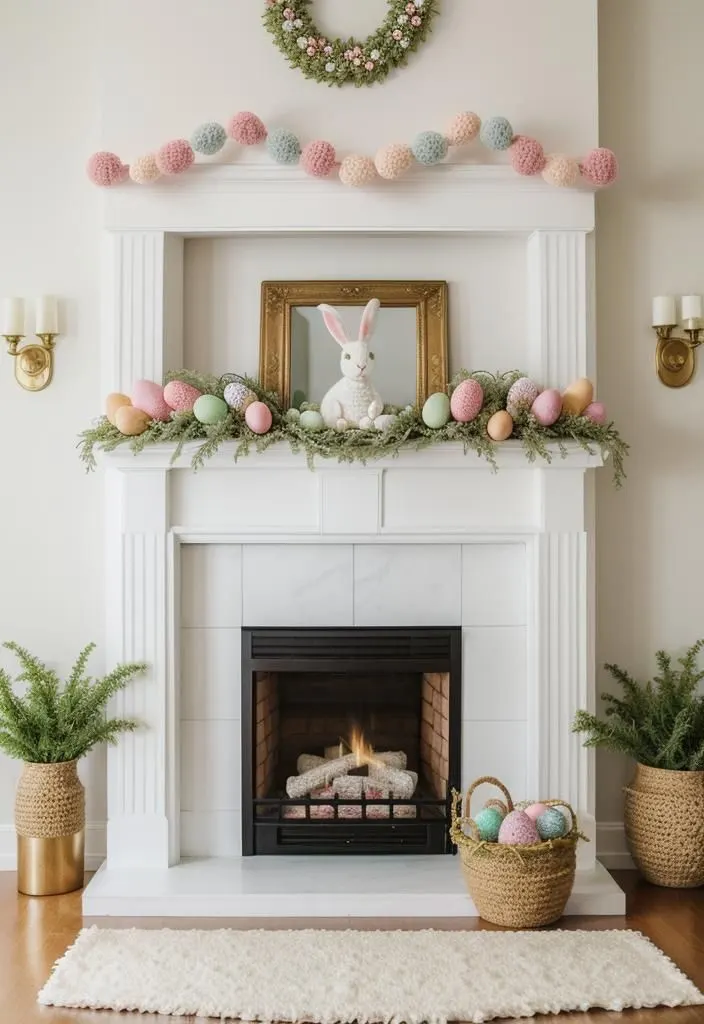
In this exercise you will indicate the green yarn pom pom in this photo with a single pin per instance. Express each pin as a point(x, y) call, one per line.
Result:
point(429, 148)
point(488, 822)
point(496, 133)
point(552, 824)
point(283, 146)
point(208, 138)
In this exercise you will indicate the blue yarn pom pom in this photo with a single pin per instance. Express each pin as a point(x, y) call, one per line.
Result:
point(429, 148)
point(208, 138)
point(283, 146)
point(496, 133)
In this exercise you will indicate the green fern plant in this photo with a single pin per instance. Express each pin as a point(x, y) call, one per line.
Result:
point(660, 723)
point(55, 721)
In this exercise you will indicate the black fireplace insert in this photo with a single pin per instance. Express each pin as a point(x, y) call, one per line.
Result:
point(350, 739)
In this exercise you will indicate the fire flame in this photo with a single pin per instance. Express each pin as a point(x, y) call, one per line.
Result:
point(361, 748)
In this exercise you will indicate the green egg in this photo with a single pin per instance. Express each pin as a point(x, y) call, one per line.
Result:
point(488, 822)
point(436, 411)
point(312, 420)
point(210, 409)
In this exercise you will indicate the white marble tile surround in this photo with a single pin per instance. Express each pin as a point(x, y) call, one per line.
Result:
point(225, 586)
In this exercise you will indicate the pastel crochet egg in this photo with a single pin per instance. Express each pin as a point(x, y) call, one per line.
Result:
point(114, 402)
point(436, 411)
point(488, 822)
point(517, 829)
point(258, 417)
point(238, 396)
point(130, 421)
point(547, 407)
point(180, 396)
point(535, 810)
point(209, 409)
point(521, 396)
point(467, 400)
point(312, 420)
point(500, 426)
point(149, 397)
point(596, 412)
point(552, 824)
point(578, 396)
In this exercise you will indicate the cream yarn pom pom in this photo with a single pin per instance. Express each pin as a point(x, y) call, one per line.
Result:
point(144, 169)
point(393, 161)
point(561, 170)
point(463, 128)
point(357, 171)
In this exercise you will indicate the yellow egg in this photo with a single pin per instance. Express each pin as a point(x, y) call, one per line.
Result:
point(577, 396)
point(500, 426)
point(114, 402)
point(131, 421)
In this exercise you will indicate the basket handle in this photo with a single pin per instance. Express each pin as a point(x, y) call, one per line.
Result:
point(494, 782)
point(562, 803)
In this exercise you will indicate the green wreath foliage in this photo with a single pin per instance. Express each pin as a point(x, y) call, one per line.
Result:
point(351, 61)
point(408, 431)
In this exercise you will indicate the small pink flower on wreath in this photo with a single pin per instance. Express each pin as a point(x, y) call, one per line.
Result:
point(311, 51)
point(312, 41)
point(348, 55)
point(322, 41)
point(270, 3)
point(397, 33)
point(357, 51)
point(369, 65)
point(328, 50)
point(410, 8)
point(357, 62)
point(415, 20)
point(289, 15)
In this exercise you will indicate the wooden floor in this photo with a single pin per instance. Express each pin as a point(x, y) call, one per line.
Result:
point(36, 932)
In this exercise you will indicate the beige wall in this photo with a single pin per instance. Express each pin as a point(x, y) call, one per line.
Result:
point(650, 240)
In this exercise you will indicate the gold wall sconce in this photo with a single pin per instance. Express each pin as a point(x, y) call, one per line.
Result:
point(34, 364)
point(674, 355)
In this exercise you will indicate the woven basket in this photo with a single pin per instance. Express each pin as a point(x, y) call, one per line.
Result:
point(515, 886)
point(50, 801)
point(664, 819)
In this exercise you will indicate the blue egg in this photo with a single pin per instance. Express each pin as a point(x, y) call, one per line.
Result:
point(552, 824)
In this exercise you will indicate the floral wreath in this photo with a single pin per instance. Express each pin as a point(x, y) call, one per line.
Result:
point(339, 62)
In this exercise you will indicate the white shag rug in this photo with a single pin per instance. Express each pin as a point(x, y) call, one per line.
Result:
point(328, 977)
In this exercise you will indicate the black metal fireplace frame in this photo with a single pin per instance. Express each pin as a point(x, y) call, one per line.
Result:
point(265, 830)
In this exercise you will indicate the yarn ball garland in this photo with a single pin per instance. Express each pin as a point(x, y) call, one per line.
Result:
point(106, 169)
point(209, 138)
point(561, 170)
point(496, 133)
point(246, 128)
point(429, 148)
point(527, 156)
point(393, 161)
point(488, 822)
point(552, 824)
point(318, 158)
point(283, 146)
point(463, 128)
point(600, 167)
point(258, 417)
point(144, 169)
point(357, 171)
point(175, 157)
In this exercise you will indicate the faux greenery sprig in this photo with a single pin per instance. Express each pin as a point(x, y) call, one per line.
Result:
point(55, 722)
point(409, 430)
point(660, 723)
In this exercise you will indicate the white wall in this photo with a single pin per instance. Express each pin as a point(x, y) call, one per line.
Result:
point(85, 74)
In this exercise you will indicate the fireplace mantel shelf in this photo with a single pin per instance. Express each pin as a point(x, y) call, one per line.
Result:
point(509, 455)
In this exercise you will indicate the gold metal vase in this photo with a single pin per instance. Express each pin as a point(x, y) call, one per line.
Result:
point(50, 824)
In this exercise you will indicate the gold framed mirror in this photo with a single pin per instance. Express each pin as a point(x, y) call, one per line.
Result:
point(300, 361)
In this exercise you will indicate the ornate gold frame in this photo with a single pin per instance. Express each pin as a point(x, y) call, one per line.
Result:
point(428, 297)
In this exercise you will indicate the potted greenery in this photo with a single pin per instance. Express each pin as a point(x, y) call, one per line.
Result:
point(49, 728)
point(661, 725)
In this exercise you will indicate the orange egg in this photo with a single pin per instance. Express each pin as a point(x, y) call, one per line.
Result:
point(114, 402)
point(500, 426)
point(577, 396)
point(131, 421)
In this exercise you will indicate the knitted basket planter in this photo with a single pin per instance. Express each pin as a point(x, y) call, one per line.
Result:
point(515, 886)
point(664, 820)
point(50, 820)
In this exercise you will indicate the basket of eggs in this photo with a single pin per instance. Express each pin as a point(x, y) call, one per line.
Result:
point(518, 862)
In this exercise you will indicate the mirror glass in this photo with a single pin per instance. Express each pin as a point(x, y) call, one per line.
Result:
point(315, 355)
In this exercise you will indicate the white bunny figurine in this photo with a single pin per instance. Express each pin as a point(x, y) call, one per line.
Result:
point(353, 401)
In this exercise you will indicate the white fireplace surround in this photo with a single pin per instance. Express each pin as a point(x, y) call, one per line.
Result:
point(429, 538)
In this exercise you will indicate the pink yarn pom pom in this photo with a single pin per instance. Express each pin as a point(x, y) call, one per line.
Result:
point(106, 169)
point(318, 158)
point(600, 167)
point(527, 156)
point(247, 129)
point(463, 128)
point(393, 161)
point(175, 157)
point(357, 171)
point(561, 170)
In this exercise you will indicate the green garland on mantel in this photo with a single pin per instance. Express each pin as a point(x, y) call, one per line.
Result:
point(409, 431)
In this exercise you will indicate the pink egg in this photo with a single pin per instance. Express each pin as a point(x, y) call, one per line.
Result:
point(547, 407)
point(534, 811)
point(149, 397)
point(258, 417)
point(181, 397)
point(466, 401)
point(517, 829)
point(596, 412)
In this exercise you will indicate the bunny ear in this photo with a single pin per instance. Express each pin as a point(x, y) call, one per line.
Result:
point(333, 323)
point(368, 317)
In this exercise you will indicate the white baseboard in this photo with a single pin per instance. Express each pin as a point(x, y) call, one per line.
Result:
point(611, 847)
point(95, 846)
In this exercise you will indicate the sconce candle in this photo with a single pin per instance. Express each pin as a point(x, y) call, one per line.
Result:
point(47, 315)
point(691, 307)
point(13, 317)
point(664, 311)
